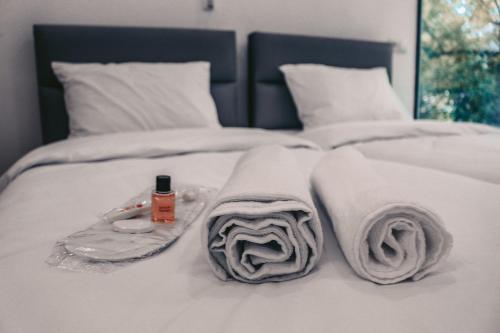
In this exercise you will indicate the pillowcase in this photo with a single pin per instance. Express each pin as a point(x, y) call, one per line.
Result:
point(326, 95)
point(125, 97)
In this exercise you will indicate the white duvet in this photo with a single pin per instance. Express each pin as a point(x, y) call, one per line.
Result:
point(464, 148)
point(61, 188)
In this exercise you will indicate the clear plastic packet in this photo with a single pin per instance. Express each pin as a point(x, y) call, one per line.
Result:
point(101, 249)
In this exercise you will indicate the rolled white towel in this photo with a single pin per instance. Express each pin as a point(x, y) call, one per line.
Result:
point(385, 235)
point(263, 225)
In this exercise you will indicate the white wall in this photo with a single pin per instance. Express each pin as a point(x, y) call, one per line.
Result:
point(363, 19)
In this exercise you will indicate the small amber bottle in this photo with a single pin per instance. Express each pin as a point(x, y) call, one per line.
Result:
point(163, 201)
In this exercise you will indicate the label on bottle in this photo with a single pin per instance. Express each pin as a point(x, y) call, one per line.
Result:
point(165, 209)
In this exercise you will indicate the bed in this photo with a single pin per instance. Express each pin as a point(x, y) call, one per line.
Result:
point(62, 187)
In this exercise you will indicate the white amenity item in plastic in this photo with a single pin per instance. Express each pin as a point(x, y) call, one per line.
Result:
point(133, 226)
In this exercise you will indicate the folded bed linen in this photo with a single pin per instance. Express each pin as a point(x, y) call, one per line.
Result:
point(263, 225)
point(385, 234)
point(467, 149)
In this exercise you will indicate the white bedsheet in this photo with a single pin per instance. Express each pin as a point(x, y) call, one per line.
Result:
point(468, 149)
point(176, 290)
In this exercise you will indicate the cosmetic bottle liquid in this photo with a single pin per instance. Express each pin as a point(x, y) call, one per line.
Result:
point(163, 201)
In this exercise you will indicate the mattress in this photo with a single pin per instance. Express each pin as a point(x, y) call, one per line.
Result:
point(62, 188)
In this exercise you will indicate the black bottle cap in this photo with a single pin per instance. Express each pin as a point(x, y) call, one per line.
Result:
point(162, 184)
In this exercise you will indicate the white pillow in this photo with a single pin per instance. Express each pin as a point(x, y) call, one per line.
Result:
point(325, 95)
point(109, 98)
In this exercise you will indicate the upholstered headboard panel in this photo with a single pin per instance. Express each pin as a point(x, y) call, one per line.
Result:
point(71, 43)
point(271, 105)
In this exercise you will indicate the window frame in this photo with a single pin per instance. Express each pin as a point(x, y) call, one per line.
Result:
point(416, 102)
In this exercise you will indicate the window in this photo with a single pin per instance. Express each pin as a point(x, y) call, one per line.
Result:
point(459, 62)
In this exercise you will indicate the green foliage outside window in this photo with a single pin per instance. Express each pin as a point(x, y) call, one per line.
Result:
point(460, 61)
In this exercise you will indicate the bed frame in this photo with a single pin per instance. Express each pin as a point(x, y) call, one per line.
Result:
point(73, 43)
point(270, 104)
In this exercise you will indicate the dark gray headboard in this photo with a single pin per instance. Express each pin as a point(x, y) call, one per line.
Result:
point(271, 105)
point(72, 43)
